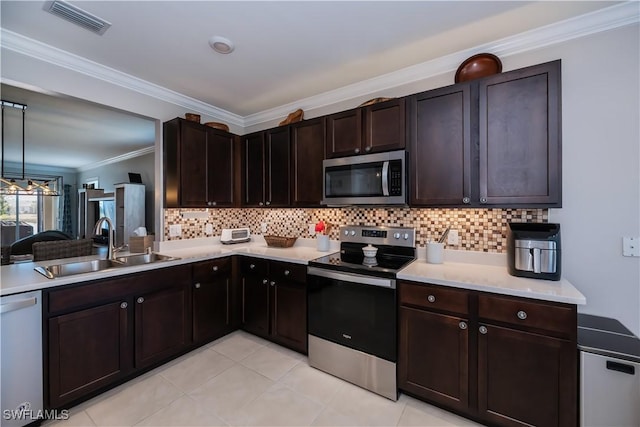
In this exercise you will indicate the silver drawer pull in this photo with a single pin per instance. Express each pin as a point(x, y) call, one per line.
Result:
point(483, 330)
point(462, 325)
point(287, 272)
point(124, 305)
point(272, 283)
point(140, 300)
point(265, 281)
point(346, 336)
point(252, 266)
point(197, 285)
point(431, 298)
point(215, 268)
point(522, 315)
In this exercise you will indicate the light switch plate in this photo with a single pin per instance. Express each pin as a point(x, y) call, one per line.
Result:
point(175, 230)
point(208, 229)
point(453, 238)
point(631, 246)
point(263, 227)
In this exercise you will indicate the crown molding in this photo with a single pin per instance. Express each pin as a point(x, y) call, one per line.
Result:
point(50, 54)
point(616, 16)
point(580, 26)
point(126, 156)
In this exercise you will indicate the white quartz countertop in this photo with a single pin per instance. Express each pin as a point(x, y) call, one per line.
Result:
point(461, 269)
point(488, 273)
point(22, 277)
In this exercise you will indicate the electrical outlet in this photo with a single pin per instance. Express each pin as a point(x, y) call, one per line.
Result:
point(263, 227)
point(312, 229)
point(631, 246)
point(208, 229)
point(453, 238)
point(175, 230)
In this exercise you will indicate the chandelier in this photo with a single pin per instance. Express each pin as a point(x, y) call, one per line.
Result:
point(19, 183)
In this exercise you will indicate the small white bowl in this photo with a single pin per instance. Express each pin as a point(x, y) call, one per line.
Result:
point(370, 251)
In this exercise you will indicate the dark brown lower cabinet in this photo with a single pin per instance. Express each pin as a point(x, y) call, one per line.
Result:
point(504, 361)
point(88, 349)
point(212, 317)
point(255, 296)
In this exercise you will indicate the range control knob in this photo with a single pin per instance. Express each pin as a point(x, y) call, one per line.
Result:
point(396, 235)
point(406, 236)
point(353, 232)
point(346, 232)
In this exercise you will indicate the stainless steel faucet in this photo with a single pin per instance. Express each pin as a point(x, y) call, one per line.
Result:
point(111, 253)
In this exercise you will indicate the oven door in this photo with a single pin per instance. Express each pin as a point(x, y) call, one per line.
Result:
point(356, 311)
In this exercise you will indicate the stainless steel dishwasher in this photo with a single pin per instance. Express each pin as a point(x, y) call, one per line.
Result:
point(609, 373)
point(21, 358)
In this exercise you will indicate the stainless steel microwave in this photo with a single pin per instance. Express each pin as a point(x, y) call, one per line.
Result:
point(370, 179)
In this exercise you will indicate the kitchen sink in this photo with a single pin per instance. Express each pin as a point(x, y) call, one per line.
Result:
point(73, 268)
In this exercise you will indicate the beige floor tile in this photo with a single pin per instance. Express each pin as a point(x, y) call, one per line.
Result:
point(278, 406)
point(197, 369)
point(238, 345)
point(183, 412)
point(419, 413)
point(226, 393)
point(134, 403)
point(311, 382)
point(76, 419)
point(366, 408)
point(331, 418)
point(270, 362)
point(288, 352)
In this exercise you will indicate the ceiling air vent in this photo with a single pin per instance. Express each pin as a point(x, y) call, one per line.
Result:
point(76, 15)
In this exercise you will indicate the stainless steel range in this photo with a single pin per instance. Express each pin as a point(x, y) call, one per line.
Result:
point(352, 306)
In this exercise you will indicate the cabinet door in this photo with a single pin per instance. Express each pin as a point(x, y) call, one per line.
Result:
point(193, 164)
point(344, 133)
point(289, 314)
point(526, 379)
point(221, 168)
point(434, 357)
point(254, 176)
point(440, 146)
point(255, 304)
point(385, 126)
point(88, 349)
point(307, 140)
point(278, 168)
point(162, 324)
point(211, 300)
point(520, 137)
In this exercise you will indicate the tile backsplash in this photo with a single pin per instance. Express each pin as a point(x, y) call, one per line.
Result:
point(479, 229)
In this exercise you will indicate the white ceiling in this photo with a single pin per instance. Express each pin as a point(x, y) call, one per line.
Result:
point(285, 51)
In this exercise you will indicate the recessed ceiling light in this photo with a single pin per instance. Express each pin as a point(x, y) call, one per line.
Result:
point(221, 44)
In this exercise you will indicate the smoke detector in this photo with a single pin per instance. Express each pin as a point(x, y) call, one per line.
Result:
point(77, 16)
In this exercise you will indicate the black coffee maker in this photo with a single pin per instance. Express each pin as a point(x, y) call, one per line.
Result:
point(533, 250)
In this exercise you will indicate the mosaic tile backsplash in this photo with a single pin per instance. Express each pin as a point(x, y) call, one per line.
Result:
point(478, 229)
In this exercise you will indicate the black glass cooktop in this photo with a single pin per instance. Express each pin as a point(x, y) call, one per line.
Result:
point(351, 259)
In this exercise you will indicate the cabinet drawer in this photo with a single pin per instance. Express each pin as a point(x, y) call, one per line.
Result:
point(208, 269)
point(286, 271)
point(527, 314)
point(254, 266)
point(434, 297)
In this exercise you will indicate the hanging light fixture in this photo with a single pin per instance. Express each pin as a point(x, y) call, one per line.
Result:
point(19, 183)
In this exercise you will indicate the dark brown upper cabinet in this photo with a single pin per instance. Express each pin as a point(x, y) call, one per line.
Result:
point(440, 143)
point(372, 129)
point(520, 137)
point(201, 166)
point(267, 168)
point(307, 154)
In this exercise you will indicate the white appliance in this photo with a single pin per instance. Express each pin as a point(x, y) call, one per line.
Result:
point(21, 358)
point(235, 235)
point(609, 373)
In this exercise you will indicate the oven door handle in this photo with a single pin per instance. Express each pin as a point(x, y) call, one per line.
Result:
point(352, 278)
point(385, 178)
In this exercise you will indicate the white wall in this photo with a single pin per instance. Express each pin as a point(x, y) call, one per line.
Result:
point(601, 160)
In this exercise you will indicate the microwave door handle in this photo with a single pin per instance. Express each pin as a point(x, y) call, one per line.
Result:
point(385, 178)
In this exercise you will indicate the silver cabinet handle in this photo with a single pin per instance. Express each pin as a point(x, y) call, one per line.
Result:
point(357, 150)
point(213, 203)
point(346, 336)
point(260, 204)
point(367, 149)
point(431, 298)
point(252, 266)
point(287, 272)
point(215, 268)
point(265, 281)
point(462, 325)
point(140, 300)
point(272, 283)
point(466, 200)
point(483, 200)
point(483, 330)
point(522, 315)
point(197, 285)
point(268, 203)
point(123, 305)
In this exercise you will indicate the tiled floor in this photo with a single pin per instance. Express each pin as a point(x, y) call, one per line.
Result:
point(242, 380)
